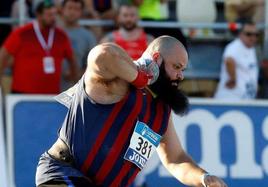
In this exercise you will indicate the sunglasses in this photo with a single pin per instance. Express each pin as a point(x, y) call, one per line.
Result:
point(250, 34)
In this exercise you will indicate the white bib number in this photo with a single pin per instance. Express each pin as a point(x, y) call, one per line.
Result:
point(143, 143)
point(48, 65)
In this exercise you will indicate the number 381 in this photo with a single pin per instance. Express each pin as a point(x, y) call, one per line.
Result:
point(143, 147)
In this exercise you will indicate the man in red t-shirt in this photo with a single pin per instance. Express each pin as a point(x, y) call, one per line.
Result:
point(37, 51)
point(129, 36)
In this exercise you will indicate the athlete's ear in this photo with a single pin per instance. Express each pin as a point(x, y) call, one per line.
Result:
point(157, 58)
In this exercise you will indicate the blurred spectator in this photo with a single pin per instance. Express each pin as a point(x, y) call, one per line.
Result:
point(100, 10)
point(192, 11)
point(105, 9)
point(239, 71)
point(5, 8)
point(28, 11)
point(196, 11)
point(58, 5)
point(82, 40)
point(38, 49)
point(152, 10)
point(5, 29)
point(244, 9)
point(129, 36)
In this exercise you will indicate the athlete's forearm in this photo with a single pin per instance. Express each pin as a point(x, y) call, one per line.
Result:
point(176, 160)
point(109, 61)
point(186, 171)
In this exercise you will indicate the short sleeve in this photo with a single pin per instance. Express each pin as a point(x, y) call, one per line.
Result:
point(13, 42)
point(229, 52)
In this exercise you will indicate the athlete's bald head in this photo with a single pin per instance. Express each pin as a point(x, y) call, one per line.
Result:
point(166, 46)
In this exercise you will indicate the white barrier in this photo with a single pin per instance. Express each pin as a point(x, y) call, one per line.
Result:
point(3, 166)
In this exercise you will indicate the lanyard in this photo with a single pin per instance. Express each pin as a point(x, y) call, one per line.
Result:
point(46, 46)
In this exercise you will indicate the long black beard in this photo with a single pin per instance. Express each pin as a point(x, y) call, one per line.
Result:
point(169, 92)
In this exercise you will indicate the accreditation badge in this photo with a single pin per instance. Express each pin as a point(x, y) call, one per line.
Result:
point(48, 65)
point(143, 144)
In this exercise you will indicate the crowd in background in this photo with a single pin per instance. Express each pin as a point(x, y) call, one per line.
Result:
point(72, 41)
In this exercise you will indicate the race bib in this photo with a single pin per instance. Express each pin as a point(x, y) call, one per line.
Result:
point(48, 65)
point(143, 143)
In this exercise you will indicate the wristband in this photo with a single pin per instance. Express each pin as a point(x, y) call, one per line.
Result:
point(204, 176)
point(141, 80)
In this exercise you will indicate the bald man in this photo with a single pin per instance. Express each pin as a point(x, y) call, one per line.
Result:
point(118, 115)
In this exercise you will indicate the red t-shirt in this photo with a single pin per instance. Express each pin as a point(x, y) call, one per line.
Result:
point(28, 71)
point(134, 48)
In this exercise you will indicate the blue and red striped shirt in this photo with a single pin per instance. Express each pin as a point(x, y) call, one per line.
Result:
point(99, 135)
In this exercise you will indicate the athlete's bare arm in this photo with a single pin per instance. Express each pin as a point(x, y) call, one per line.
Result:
point(109, 72)
point(179, 164)
point(108, 61)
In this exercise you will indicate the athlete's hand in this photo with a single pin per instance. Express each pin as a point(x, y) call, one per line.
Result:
point(213, 181)
point(149, 66)
point(142, 80)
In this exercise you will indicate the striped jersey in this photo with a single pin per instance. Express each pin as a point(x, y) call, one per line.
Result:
point(101, 136)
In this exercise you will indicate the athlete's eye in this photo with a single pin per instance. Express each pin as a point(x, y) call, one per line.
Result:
point(177, 66)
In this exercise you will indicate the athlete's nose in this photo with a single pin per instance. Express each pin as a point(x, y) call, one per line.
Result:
point(180, 76)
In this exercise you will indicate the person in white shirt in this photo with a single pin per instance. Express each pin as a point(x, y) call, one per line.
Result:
point(239, 70)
